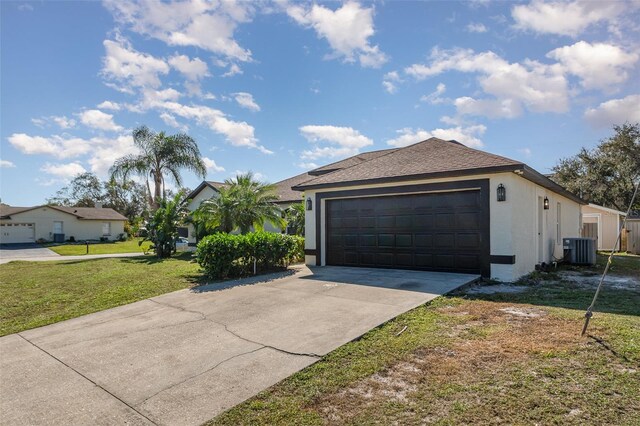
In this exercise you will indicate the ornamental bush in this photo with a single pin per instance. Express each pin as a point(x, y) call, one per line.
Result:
point(228, 255)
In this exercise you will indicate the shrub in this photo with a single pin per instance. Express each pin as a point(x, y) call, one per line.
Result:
point(227, 255)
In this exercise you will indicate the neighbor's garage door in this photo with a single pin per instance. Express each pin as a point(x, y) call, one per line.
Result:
point(11, 233)
point(437, 231)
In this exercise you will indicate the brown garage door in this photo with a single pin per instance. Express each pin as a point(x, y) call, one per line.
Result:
point(438, 232)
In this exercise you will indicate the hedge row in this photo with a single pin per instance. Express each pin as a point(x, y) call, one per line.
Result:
point(228, 255)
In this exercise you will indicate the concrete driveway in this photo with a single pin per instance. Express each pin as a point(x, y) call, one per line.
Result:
point(184, 357)
point(10, 252)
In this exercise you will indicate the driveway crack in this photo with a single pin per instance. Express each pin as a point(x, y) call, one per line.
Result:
point(86, 378)
point(226, 328)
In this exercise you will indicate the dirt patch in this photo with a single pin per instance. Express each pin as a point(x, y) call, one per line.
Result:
point(495, 337)
point(611, 281)
point(496, 288)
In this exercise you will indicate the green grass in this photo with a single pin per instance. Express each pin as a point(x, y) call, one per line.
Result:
point(130, 246)
point(33, 294)
point(463, 360)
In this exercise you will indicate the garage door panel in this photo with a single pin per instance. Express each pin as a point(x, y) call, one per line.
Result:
point(437, 231)
point(470, 220)
point(445, 241)
point(14, 233)
point(468, 241)
point(386, 240)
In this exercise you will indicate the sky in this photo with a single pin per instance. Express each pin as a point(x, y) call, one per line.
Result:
point(280, 87)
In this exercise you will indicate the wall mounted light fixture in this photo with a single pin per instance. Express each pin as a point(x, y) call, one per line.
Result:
point(309, 204)
point(502, 193)
point(546, 203)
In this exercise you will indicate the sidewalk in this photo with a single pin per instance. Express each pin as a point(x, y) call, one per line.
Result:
point(58, 257)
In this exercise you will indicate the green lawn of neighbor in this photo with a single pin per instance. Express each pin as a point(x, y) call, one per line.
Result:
point(33, 294)
point(486, 359)
point(130, 246)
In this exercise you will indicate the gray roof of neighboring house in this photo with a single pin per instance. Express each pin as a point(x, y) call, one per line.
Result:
point(82, 213)
point(204, 184)
point(428, 159)
point(284, 188)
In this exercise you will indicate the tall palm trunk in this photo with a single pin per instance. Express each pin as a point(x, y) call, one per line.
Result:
point(157, 180)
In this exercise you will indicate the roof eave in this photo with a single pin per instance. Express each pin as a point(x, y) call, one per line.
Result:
point(540, 179)
point(392, 179)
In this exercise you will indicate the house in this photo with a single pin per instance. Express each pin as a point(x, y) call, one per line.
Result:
point(57, 223)
point(438, 205)
point(603, 224)
point(284, 189)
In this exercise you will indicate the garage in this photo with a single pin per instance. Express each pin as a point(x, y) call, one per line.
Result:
point(13, 233)
point(441, 231)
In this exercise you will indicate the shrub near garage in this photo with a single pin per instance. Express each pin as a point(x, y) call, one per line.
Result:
point(227, 255)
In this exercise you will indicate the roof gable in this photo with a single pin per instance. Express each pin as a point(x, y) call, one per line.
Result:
point(82, 213)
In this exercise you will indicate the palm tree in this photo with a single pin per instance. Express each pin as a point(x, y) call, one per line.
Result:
point(241, 204)
point(164, 223)
point(160, 154)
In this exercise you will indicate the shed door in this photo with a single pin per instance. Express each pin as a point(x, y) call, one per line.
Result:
point(438, 231)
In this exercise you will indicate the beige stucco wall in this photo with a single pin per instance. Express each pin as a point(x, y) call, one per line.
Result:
point(513, 223)
point(608, 225)
point(43, 218)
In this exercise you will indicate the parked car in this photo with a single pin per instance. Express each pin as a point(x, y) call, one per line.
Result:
point(182, 244)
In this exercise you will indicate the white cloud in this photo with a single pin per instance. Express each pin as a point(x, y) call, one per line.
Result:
point(599, 65)
point(56, 146)
point(343, 141)
point(126, 68)
point(193, 69)
point(476, 28)
point(64, 171)
point(113, 106)
point(390, 81)
point(245, 100)
point(64, 122)
point(492, 108)
point(307, 165)
point(565, 18)
point(6, 164)
point(171, 121)
point(61, 121)
point(237, 133)
point(434, 97)
point(531, 85)
point(346, 29)
point(97, 119)
point(615, 111)
point(211, 165)
point(466, 135)
point(101, 152)
point(526, 152)
point(203, 24)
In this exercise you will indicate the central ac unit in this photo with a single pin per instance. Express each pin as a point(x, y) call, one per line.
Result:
point(580, 251)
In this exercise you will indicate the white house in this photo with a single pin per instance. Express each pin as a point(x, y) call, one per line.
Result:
point(603, 224)
point(438, 205)
point(30, 224)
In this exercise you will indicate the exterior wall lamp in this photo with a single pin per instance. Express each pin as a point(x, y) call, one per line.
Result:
point(502, 193)
point(546, 203)
point(309, 204)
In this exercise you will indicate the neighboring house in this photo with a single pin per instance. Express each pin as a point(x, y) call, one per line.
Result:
point(286, 195)
point(603, 224)
point(30, 224)
point(436, 205)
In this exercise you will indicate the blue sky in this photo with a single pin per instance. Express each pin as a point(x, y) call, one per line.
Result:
point(280, 87)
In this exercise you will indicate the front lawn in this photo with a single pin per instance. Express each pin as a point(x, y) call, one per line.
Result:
point(129, 246)
point(478, 357)
point(33, 294)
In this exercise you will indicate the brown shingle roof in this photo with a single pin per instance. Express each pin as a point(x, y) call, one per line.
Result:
point(351, 161)
point(431, 157)
point(83, 213)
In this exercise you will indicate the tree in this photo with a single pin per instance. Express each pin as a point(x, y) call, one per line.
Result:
point(241, 204)
point(85, 190)
point(606, 174)
point(163, 225)
point(160, 155)
point(294, 216)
